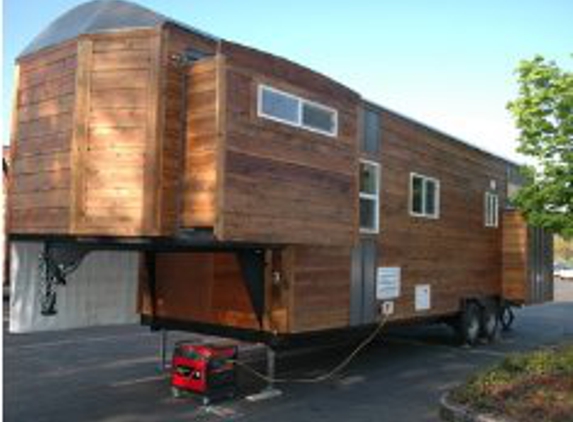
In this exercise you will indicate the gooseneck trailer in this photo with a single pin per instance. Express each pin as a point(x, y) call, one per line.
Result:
point(216, 188)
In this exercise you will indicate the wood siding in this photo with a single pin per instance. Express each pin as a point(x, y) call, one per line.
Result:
point(199, 287)
point(200, 177)
point(515, 257)
point(43, 110)
point(187, 174)
point(455, 254)
point(318, 279)
point(283, 184)
point(116, 135)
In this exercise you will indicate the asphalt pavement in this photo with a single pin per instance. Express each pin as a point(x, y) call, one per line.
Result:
point(112, 374)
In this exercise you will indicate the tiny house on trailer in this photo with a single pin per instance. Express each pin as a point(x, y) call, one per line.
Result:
point(247, 196)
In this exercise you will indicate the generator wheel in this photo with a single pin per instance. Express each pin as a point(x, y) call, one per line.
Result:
point(176, 392)
point(506, 317)
point(489, 321)
point(470, 324)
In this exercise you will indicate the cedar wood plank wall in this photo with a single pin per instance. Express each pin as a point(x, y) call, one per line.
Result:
point(116, 142)
point(515, 254)
point(188, 166)
point(41, 141)
point(456, 254)
point(278, 187)
point(201, 287)
point(200, 176)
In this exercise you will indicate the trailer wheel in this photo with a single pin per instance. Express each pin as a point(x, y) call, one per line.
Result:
point(506, 317)
point(489, 321)
point(470, 324)
point(176, 392)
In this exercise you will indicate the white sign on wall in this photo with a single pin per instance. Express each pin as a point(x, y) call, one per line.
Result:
point(423, 297)
point(388, 283)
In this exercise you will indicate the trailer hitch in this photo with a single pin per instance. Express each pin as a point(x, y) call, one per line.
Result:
point(56, 263)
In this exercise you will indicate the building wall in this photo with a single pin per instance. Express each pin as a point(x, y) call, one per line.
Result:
point(42, 124)
point(187, 183)
point(116, 154)
point(283, 184)
point(456, 254)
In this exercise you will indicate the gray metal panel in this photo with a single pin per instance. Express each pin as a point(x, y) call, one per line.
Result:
point(368, 281)
point(549, 296)
point(363, 283)
point(540, 265)
point(356, 286)
point(100, 16)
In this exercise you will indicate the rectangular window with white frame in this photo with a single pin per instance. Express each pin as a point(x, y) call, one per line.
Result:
point(491, 209)
point(424, 196)
point(369, 197)
point(283, 107)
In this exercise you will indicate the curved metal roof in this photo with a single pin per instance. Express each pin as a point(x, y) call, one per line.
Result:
point(99, 16)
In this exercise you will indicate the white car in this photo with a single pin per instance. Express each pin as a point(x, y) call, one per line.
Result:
point(564, 273)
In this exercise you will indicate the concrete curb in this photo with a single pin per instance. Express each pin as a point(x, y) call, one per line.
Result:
point(454, 412)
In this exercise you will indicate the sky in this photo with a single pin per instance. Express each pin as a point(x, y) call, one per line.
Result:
point(447, 63)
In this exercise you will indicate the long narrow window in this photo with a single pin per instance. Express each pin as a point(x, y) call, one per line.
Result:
point(292, 110)
point(369, 196)
point(491, 209)
point(371, 131)
point(424, 196)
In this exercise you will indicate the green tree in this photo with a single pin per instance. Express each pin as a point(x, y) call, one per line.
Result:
point(543, 113)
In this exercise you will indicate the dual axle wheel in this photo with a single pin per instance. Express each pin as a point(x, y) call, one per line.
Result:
point(481, 321)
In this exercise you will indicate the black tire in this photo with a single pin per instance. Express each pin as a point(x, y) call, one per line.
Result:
point(506, 317)
point(470, 324)
point(489, 321)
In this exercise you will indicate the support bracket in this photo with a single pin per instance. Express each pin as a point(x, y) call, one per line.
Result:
point(252, 263)
point(56, 263)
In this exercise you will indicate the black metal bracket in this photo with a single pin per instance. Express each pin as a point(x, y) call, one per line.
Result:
point(56, 263)
point(252, 263)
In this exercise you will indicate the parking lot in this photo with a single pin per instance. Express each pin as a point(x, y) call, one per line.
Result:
point(111, 374)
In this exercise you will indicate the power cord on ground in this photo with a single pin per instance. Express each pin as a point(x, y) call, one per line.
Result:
point(323, 377)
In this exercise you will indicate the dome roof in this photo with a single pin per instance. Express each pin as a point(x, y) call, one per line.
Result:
point(99, 16)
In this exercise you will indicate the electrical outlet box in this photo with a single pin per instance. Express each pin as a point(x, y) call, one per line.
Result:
point(387, 308)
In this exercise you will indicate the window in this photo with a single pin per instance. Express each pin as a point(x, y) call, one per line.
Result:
point(369, 196)
point(424, 196)
point(371, 131)
point(491, 205)
point(296, 111)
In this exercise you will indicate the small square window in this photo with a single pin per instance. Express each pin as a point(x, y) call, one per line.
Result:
point(424, 196)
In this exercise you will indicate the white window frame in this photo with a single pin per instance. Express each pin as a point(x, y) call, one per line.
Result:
point(300, 103)
point(424, 214)
point(371, 197)
point(491, 210)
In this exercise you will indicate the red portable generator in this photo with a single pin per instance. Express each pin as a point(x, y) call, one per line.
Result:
point(207, 370)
